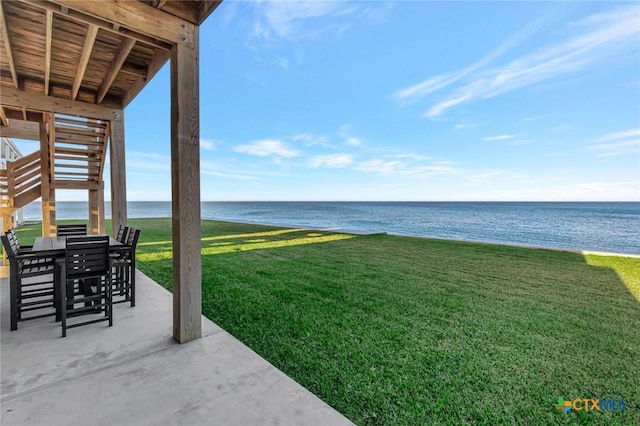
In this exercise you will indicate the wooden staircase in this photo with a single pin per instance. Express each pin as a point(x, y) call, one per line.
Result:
point(73, 158)
point(78, 153)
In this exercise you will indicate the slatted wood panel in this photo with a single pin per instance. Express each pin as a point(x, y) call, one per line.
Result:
point(79, 150)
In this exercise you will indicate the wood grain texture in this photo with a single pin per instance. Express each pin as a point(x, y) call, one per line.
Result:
point(47, 194)
point(89, 40)
point(8, 46)
point(185, 190)
point(39, 102)
point(47, 59)
point(20, 129)
point(138, 17)
point(118, 173)
point(114, 69)
point(101, 23)
point(96, 211)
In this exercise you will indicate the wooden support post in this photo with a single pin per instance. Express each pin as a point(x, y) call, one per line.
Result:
point(47, 192)
point(185, 190)
point(96, 210)
point(118, 174)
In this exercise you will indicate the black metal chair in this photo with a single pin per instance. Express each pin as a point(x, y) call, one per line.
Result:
point(123, 231)
point(72, 230)
point(87, 261)
point(31, 283)
point(124, 264)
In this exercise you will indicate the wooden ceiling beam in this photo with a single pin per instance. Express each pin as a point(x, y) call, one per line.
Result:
point(89, 40)
point(7, 45)
point(20, 129)
point(139, 17)
point(114, 69)
point(161, 57)
point(39, 102)
point(102, 24)
point(206, 8)
point(47, 58)
point(3, 117)
point(135, 71)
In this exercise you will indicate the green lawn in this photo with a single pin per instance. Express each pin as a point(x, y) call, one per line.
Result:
point(398, 330)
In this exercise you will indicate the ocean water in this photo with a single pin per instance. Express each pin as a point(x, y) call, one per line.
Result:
point(608, 226)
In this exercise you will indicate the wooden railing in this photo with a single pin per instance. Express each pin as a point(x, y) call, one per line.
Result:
point(22, 180)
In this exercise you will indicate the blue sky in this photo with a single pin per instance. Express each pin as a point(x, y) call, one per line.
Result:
point(410, 100)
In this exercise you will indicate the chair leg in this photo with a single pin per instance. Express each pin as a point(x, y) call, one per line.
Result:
point(13, 295)
point(133, 283)
point(109, 299)
point(63, 306)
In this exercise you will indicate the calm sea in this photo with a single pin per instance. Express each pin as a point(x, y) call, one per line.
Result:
point(613, 227)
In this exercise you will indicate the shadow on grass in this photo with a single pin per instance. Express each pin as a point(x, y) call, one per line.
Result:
point(242, 242)
point(414, 331)
point(397, 330)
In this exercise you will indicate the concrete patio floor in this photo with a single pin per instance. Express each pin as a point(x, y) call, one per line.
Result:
point(135, 374)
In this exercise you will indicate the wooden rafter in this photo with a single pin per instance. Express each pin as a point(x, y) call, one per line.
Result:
point(159, 3)
point(3, 117)
point(92, 32)
point(156, 63)
point(101, 23)
point(47, 58)
point(139, 17)
point(116, 65)
point(7, 45)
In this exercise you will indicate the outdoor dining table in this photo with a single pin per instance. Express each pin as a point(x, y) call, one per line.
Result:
point(55, 247)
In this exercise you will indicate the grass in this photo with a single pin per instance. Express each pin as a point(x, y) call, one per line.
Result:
point(398, 330)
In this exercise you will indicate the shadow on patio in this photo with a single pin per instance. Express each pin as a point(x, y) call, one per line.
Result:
point(134, 373)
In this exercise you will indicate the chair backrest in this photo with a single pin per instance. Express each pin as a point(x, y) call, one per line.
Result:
point(72, 229)
point(87, 256)
point(9, 245)
point(132, 239)
point(122, 233)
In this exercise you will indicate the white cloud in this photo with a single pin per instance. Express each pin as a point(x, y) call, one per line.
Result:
point(597, 39)
point(615, 149)
point(353, 141)
point(331, 160)
point(433, 84)
point(267, 147)
point(310, 139)
point(404, 168)
point(619, 143)
point(465, 125)
point(294, 19)
point(229, 175)
point(349, 139)
point(499, 137)
point(207, 144)
point(619, 135)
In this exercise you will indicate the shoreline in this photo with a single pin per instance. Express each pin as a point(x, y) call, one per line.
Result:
point(368, 232)
point(493, 243)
